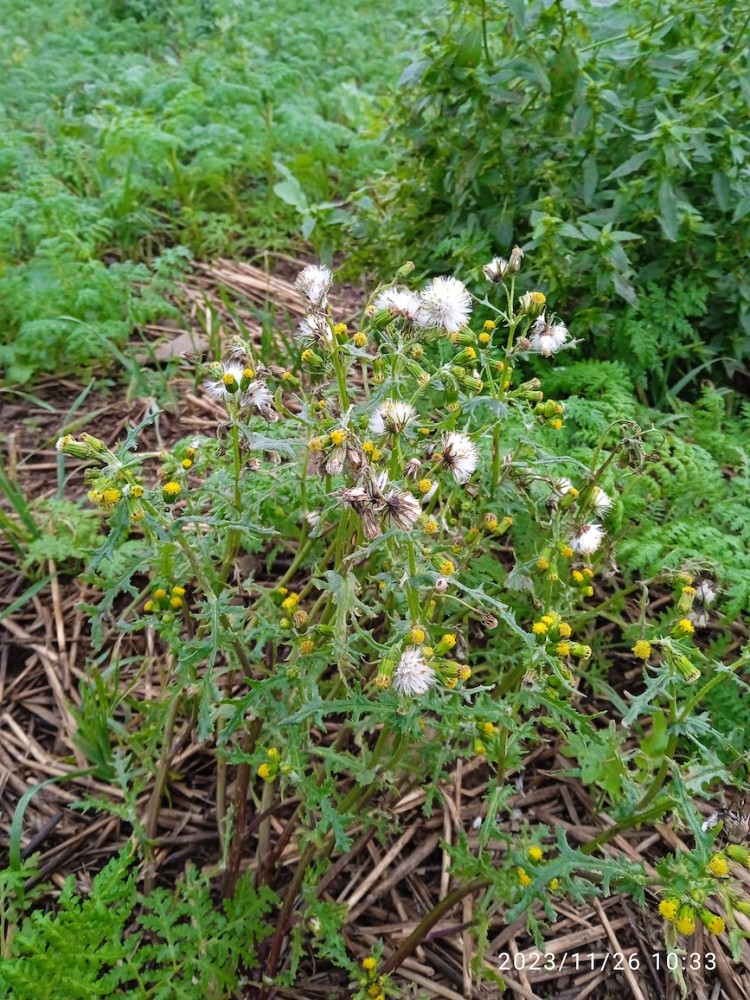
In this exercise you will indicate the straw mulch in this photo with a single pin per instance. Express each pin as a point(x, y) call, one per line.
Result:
point(387, 885)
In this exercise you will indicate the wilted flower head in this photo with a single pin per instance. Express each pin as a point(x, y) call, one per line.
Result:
point(460, 455)
point(496, 269)
point(362, 503)
point(547, 338)
point(258, 394)
point(400, 509)
point(314, 328)
point(314, 282)
point(445, 304)
point(413, 674)
point(601, 502)
point(399, 301)
point(392, 417)
point(587, 539)
point(705, 592)
point(225, 383)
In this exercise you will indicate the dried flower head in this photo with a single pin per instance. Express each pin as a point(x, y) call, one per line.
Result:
point(413, 674)
point(400, 509)
point(314, 328)
point(460, 455)
point(392, 417)
point(259, 395)
point(547, 338)
point(446, 304)
point(314, 282)
point(705, 592)
point(587, 539)
point(496, 269)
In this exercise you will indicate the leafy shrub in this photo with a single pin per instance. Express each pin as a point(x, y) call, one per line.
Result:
point(614, 133)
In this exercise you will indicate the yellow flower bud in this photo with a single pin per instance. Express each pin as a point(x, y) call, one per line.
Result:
point(718, 866)
point(524, 878)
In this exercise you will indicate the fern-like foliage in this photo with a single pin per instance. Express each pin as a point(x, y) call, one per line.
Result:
point(689, 506)
point(173, 943)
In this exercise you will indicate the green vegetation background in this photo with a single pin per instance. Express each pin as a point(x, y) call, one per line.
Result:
point(137, 133)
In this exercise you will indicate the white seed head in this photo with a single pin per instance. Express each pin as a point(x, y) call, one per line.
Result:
point(460, 455)
point(547, 338)
point(314, 282)
point(392, 417)
point(413, 674)
point(399, 301)
point(446, 304)
point(260, 396)
point(601, 501)
point(587, 539)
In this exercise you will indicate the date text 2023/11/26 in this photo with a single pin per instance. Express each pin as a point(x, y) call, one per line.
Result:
point(604, 961)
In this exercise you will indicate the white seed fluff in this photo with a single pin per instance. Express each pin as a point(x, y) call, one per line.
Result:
point(392, 417)
point(399, 301)
point(314, 282)
point(587, 539)
point(446, 304)
point(460, 455)
point(413, 674)
point(547, 338)
point(601, 501)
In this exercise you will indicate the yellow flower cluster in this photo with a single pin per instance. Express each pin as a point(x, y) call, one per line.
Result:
point(290, 603)
point(161, 600)
point(106, 498)
point(268, 770)
point(582, 579)
point(683, 916)
point(535, 855)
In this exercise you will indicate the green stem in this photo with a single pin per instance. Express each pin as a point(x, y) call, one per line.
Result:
point(495, 459)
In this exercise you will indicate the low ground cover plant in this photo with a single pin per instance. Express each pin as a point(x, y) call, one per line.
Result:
point(388, 560)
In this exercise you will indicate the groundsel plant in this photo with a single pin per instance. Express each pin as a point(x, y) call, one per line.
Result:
point(385, 562)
